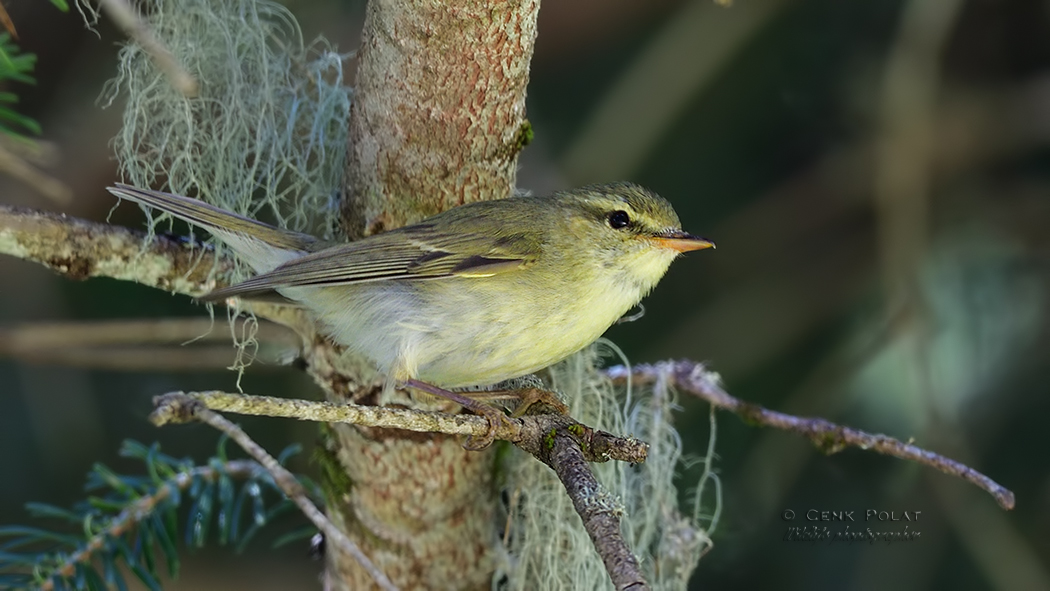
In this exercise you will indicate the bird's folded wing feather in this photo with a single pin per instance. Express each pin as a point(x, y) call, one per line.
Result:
point(415, 252)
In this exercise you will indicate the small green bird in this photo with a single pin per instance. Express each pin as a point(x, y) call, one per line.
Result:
point(475, 295)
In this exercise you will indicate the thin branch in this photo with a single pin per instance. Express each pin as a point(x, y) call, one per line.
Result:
point(80, 249)
point(142, 509)
point(182, 408)
point(527, 432)
point(562, 451)
point(695, 379)
point(556, 440)
point(127, 18)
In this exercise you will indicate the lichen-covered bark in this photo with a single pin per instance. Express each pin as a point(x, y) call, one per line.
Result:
point(438, 120)
point(81, 249)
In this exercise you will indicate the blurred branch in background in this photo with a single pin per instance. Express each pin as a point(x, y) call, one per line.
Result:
point(17, 158)
point(137, 345)
point(694, 46)
point(903, 180)
point(917, 298)
point(127, 18)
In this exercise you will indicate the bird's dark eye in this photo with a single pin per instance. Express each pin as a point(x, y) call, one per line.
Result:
point(619, 219)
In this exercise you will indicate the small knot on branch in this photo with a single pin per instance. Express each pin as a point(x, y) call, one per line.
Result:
point(601, 446)
point(175, 407)
point(537, 433)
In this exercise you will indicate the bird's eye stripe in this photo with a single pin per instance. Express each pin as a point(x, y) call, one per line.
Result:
point(619, 219)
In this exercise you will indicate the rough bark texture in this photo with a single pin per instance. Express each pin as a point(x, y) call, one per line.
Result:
point(600, 513)
point(438, 120)
point(439, 108)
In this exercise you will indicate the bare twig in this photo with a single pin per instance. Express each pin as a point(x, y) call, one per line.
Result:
point(561, 450)
point(128, 19)
point(143, 508)
point(694, 378)
point(527, 432)
point(182, 408)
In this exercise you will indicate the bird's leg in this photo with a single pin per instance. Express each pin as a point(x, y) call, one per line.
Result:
point(530, 397)
point(539, 396)
point(495, 416)
point(533, 396)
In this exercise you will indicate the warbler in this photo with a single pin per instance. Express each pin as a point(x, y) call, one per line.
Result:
point(475, 295)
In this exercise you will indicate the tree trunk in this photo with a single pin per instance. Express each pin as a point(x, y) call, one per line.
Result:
point(439, 109)
point(438, 120)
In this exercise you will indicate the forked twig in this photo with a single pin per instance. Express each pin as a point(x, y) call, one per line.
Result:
point(556, 440)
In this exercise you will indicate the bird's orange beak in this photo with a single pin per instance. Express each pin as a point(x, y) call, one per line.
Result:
point(681, 241)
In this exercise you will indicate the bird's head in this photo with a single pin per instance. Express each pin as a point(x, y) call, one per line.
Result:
point(628, 229)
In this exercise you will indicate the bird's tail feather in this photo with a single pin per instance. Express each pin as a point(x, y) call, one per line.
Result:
point(217, 220)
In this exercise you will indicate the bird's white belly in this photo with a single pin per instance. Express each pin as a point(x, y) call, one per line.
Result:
point(452, 334)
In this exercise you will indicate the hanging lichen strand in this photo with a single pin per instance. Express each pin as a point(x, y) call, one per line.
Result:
point(267, 135)
point(549, 546)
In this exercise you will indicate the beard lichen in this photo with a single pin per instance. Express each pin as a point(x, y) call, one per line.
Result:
point(545, 545)
point(266, 137)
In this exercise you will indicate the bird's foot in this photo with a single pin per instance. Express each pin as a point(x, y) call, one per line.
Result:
point(533, 397)
point(496, 418)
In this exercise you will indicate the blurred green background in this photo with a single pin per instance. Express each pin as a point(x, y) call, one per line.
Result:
point(876, 175)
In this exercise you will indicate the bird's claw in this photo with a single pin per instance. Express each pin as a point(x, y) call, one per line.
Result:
point(496, 420)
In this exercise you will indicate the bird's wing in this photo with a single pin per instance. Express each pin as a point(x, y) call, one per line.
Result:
point(416, 252)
